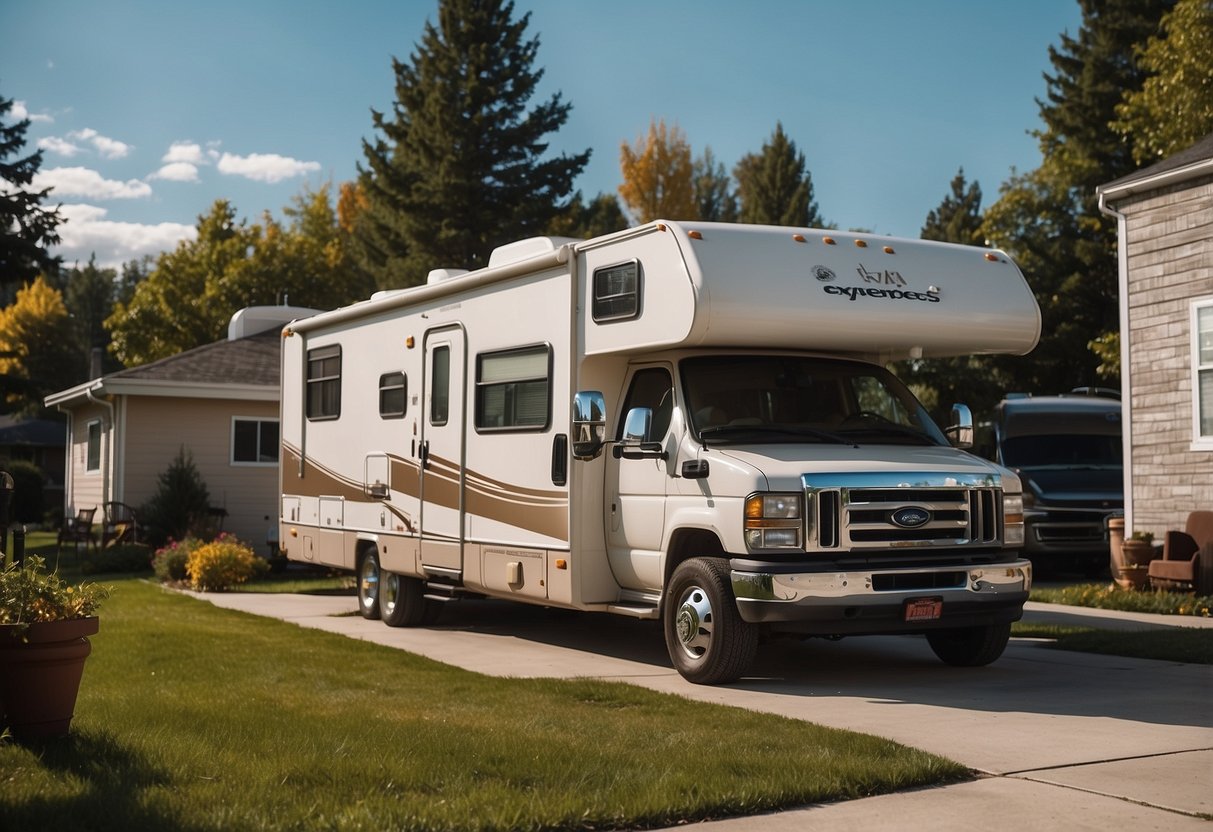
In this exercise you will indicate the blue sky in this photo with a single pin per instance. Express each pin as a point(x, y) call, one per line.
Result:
point(149, 110)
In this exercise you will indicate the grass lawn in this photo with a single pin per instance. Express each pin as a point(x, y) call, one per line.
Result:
point(1179, 644)
point(192, 717)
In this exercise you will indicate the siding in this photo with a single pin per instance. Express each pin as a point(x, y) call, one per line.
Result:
point(88, 489)
point(1170, 262)
point(157, 428)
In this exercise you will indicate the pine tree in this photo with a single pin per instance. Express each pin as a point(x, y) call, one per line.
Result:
point(715, 199)
point(958, 217)
point(459, 165)
point(26, 226)
point(1049, 219)
point(775, 187)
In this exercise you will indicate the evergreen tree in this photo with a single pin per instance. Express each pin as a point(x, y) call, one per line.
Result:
point(602, 216)
point(26, 226)
point(715, 199)
point(958, 217)
point(89, 294)
point(775, 187)
point(1048, 219)
point(458, 167)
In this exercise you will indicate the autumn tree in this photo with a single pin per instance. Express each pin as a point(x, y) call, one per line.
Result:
point(1173, 109)
point(460, 165)
point(657, 174)
point(1048, 219)
point(36, 352)
point(27, 227)
point(774, 186)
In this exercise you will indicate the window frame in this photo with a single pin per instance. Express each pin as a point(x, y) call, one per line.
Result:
point(595, 298)
point(257, 463)
point(1200, 441)
point(403, 387)
point(481, 388)
point(317, 354)
point(89, 466)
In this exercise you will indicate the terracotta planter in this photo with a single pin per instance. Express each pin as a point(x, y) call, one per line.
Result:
point(40, 675)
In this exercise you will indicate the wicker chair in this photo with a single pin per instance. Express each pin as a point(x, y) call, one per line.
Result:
point(77, 530)
point(121, 525)
point(1187, 557)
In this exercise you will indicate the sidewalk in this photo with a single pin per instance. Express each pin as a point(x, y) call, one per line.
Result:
point(1063, 740)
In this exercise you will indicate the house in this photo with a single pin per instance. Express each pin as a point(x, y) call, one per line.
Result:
point(1164, 216)
point(218, 401)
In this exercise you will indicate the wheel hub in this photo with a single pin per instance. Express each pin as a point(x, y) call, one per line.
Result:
point(687, 624)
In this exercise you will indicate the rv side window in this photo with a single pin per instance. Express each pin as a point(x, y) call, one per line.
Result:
point(440, 385)
point(617, 293)
point(512, 389)
point(393, 388)
point(324, 383)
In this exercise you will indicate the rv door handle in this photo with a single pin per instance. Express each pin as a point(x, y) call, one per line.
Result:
point(425, 454)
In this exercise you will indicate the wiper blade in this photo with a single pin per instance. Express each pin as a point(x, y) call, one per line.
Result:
point(785, 430)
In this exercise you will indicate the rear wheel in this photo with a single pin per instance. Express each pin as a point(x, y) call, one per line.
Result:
point(970, 646)
point(368, 584)
point(708, 641)
point(402, 601)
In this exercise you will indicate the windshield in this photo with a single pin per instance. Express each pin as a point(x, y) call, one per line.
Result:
point(1063, 450)
point(779, 398)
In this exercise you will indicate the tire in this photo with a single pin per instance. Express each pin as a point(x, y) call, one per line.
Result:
point(369, 576)
point(402, 601)
point(970, 646)
point(708, 642)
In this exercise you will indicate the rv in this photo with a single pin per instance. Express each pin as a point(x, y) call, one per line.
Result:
point(688, 422)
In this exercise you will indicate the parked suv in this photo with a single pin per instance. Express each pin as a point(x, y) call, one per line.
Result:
point(1067, 450)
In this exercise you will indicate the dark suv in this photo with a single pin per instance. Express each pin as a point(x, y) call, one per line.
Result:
point(1067, 450)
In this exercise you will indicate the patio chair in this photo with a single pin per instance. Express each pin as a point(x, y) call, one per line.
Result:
point(121, 525)
point(77, 530)
point(1187, 557)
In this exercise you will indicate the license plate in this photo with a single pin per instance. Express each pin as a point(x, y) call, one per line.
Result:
point(924, 609)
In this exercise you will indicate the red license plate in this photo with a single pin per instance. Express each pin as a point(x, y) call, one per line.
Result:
point(924, 609)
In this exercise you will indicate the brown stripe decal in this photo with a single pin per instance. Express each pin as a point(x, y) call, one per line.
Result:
point(540, 511)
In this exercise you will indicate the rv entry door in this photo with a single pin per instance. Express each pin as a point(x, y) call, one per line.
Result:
point(442, 450)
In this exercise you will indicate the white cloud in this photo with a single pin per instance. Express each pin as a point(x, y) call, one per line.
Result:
point(20, 112)
point(86, 232)
point(107, 147)
point(89, 184)
point(177, 172)
point(190, 152)
point(57, 145)
point(265, 167)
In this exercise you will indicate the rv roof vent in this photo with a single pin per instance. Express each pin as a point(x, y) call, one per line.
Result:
point(523, 249)
point(386, 293)
point(439, 275)
point(253, 320)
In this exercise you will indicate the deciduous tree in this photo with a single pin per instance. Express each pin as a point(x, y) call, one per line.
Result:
point(36, 350)
point(461, 163)
point(657, 175)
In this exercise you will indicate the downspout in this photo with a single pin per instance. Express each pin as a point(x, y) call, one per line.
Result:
point(109, 446)
point(1126, 386)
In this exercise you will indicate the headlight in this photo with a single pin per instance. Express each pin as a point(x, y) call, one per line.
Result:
point(1012, 519)
point(772, 521)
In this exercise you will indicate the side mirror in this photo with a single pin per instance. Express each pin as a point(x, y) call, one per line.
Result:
point(960, 432)
point(637, 441)
point(589, 424)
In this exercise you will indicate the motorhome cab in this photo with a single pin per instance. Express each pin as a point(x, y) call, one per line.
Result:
point(688, 422)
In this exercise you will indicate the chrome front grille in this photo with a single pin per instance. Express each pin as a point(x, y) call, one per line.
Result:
point(871, 511)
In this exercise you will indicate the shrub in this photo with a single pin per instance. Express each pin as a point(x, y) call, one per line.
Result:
point(169, 561)
point(125, 557)
point(181, 505)
point(223, 563)
point(28, 593)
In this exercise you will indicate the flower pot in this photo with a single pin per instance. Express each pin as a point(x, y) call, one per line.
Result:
point(40, 672)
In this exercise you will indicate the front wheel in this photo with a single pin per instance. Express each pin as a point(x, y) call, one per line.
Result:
point(708, 641)
point(368, 584)
point(970, 646)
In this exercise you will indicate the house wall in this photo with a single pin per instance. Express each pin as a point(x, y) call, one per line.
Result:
point(87, 489)
point(157, 427)
point(1170, 263)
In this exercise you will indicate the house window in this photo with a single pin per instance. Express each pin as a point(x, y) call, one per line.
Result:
point(393, 388)
point(92, 458)
point(1202, 373)
point(254, 441)
point(512, 389)
point(324, 383)
point(617, 293)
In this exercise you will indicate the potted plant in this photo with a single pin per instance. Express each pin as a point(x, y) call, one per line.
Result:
point(44, 627)
point(1131, 560)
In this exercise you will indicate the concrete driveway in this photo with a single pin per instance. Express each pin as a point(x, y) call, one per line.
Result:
point(1067, 740)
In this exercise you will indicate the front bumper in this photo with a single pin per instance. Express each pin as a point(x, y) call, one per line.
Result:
point(796, 597)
